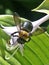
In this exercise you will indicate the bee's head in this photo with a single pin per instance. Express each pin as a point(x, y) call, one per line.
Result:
point(27, 26)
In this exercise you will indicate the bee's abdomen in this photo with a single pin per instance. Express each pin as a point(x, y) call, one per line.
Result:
point(21, 40)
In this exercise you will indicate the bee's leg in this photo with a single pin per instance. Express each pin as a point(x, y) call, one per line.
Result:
point(21, 48)
point(14, 33)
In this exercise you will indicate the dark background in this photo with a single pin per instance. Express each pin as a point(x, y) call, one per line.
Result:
point(22, 7)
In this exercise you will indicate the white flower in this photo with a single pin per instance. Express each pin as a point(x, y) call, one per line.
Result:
point(9, 31)
point(13, 41)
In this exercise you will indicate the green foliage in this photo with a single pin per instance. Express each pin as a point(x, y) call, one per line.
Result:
point(17, 5)
point(43, 8)
point(2, 48)
point(48, 29)
point(36, 52)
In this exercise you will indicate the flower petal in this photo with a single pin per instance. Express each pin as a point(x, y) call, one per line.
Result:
point(10, 30)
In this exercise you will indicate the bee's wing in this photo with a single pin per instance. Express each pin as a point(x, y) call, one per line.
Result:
point(39, 31)
point(17, 20)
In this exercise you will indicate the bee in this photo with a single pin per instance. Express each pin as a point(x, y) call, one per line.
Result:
point(22, 32)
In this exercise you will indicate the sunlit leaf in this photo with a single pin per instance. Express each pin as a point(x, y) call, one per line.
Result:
point(43, 6)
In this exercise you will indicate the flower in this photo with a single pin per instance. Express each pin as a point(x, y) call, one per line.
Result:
point(13, 41)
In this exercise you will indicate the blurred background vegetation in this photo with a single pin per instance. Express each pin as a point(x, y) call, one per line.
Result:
point(23, 7)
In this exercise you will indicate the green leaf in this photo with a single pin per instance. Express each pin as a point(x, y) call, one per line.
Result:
point(48, 29)
point(2, 48)
point(4, 35)
point(3, 62)
point(42, 11)
point(6, 20)
point(36, 52)
point(43, 7)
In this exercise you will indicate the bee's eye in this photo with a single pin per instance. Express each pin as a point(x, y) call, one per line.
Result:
point(27, 26)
